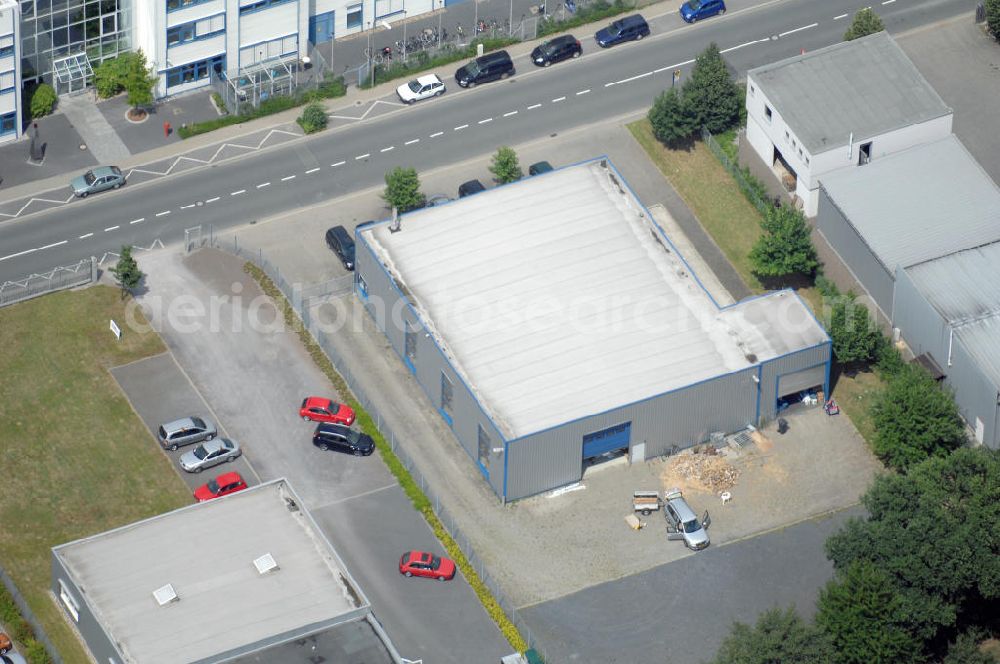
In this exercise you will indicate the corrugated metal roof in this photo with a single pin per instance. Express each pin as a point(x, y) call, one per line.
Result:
point(982, 340)
point(963, 285)
point(866, 86)
point(916, 205)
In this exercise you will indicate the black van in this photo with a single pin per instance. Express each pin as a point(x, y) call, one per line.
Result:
point(489, 67)
point(629, 28)
point(342, 244)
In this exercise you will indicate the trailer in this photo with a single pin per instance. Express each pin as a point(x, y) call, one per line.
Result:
point(645, 501)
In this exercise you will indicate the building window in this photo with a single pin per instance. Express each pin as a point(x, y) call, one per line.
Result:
point(268, 50)
point(7, 82)
point(767, 112)
point(864, 153)
point(8, 123)
point(355, 16)
point(362, 286)
point(485, 445)
point(752, 91)
point(447, 392)
point(807, 161)
point(387, 7)
point(195, 71)
point(6, 46)
point(260, 5)
point(208, 27)
point(181, 4)
point(69, 601)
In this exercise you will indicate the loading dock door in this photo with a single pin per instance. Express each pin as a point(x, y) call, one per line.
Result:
point(793, 383)
point(614, 438)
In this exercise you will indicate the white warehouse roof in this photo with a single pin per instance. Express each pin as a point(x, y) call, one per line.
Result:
point(556, 298)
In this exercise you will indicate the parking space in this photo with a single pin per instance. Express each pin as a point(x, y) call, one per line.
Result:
point(159, 391)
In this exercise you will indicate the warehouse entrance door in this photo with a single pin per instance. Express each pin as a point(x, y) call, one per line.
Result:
point(790, 385)
point(608, 440)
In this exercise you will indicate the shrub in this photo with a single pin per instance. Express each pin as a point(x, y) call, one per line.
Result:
point(785, 248)
point(778, 636)
point(505, 167)
point(865, 22)
point(219, 103)
point(402, 189)
point(313, 118)
point(43, 99)
point(993, 17)
point(109, 76)
point(672, 123)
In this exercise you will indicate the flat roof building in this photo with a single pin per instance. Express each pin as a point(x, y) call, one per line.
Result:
point(553, 308)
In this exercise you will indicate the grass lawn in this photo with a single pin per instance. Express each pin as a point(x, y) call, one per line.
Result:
point(77, 460)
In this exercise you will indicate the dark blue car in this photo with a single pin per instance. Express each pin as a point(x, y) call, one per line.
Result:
point(694, 10)
point(624, 29)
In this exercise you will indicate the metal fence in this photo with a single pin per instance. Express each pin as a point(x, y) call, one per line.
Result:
point(29, 617)
point(59, 278)
point(242, 90)
point(302, 299)
point(751, 189)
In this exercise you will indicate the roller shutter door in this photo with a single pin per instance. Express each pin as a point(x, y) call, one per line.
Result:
point(613, 438)
point(793, 383)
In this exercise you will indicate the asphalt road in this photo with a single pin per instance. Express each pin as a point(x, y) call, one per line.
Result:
point(464, 123)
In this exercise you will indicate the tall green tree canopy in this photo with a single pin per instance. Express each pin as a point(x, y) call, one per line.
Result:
point(127, 271)
point(785, 248)
point(138, 80)
point(402, 189)
point(852, 330)
point(711, 96)
point(865, 22)
point(671, 120)
point(778, 637)
point(505, 167)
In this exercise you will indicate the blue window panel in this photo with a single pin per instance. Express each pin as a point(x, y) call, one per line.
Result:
point(8, 123)
point(261, 5)
point(7, 51)
point(355, 16)
point(606, 440)
point(173, 5)
point(188, 32)
point(195, 71)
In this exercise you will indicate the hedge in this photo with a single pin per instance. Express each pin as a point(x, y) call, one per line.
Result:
point(412, 490)
point(20, 630)
point(595, 11)
point(422, 61)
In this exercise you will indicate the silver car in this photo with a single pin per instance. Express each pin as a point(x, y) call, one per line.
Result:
point(97, 179)
point(682, 524)
point(209, 454)
point(185, 431)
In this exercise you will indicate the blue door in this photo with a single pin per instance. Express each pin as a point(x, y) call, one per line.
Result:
point(321, 28)
point(613, 438)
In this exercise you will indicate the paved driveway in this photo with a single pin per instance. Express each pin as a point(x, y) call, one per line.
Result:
point(254, 374)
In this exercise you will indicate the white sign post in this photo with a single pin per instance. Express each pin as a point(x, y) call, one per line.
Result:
point(115, 330)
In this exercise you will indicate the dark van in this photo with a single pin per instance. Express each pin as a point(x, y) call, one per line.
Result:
point(625, 29)
point(342, 244)
point(489, 67)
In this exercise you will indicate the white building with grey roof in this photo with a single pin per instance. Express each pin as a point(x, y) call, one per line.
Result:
point(839, 107)
point(248, 577)
point(551, 321)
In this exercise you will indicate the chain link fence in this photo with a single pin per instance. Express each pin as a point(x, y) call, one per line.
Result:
point(59, 278)
point(755, 191)
point(302, 300)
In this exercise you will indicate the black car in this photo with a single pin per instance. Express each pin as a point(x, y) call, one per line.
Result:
point(556, 50)
point(625, 29)
point(339, 438)
point(540, 167)
point(342, 244)
point(469, 188)
point(489, 67)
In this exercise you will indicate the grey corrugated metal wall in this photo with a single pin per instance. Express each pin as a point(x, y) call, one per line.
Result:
point(97, 640)
point(853, 251)
point(921, 325)
point(975, 394)
point(771, 370)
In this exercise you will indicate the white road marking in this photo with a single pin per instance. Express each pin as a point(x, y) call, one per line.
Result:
point(363, 156)
point(287, 178)
point(635, 78)
point(263, 184)
point(415, 140)
point(84, 237)
point(739, 46)
point(111, 228)
point(237, 193)
point(507, 115)
point(184, 207)
point(837, 18)
point(312, 170)
point(888, 2)
point(534, 106)
point(436, 134)
point(165, 212)
point(339, 163)
point(54, 244)
point(22, 253)
point(582, 92)
point(608, 85)
point(485, 121)
point(558, 99)
point(391, 147)
point(212, 200)
point(138, 221)
point(460, 127)
point(687, 62)
point(791, 32)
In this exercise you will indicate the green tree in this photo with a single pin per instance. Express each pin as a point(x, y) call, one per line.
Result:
point(778, 637)
point(855, 337)
point(139, 81)
point(43, 99)
point(933, 532)
point(711, 97)
point(865, 22)
point(993, 17)
point(915, 418)
point(313, 118)
point(402, 189)
point(865, 615)
point(672, 123)
point(110, 75)
point(785, 248)
point(127, 271)
point(965, 649)
point(505, 167)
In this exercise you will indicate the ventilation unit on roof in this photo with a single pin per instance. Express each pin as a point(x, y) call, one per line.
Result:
point(165, 595)
point(265, 564)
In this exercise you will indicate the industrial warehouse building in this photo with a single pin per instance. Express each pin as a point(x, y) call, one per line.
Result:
point(551, 321)
point(244, 579)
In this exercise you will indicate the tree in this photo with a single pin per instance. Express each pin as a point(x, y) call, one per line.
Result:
point(965, 650)
point(778, 636)
point(138, 80)
point(785, 248)
point(313, 118)
point(505, 167)
point(402, 189)
point(672, 123)
point(852, 330)
point(110, 75)
point(993, 17)
point(915, 418)
point(932, 531)
point(127, 271)
point(711, 97)
point(43, 99)
point(865, 22)
point(865, 616)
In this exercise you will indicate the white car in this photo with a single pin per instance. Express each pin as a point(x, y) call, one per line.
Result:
point(422, 88)
point(210, 453)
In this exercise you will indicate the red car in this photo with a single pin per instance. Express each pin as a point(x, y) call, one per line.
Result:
point(223, 485)
point(319, 409)
point(421, 563)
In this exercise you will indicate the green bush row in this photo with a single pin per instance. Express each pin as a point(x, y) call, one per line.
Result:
point(595, 11)
point(20, 630)
point(412, 490)
point(329, 88)
point(422, 61)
